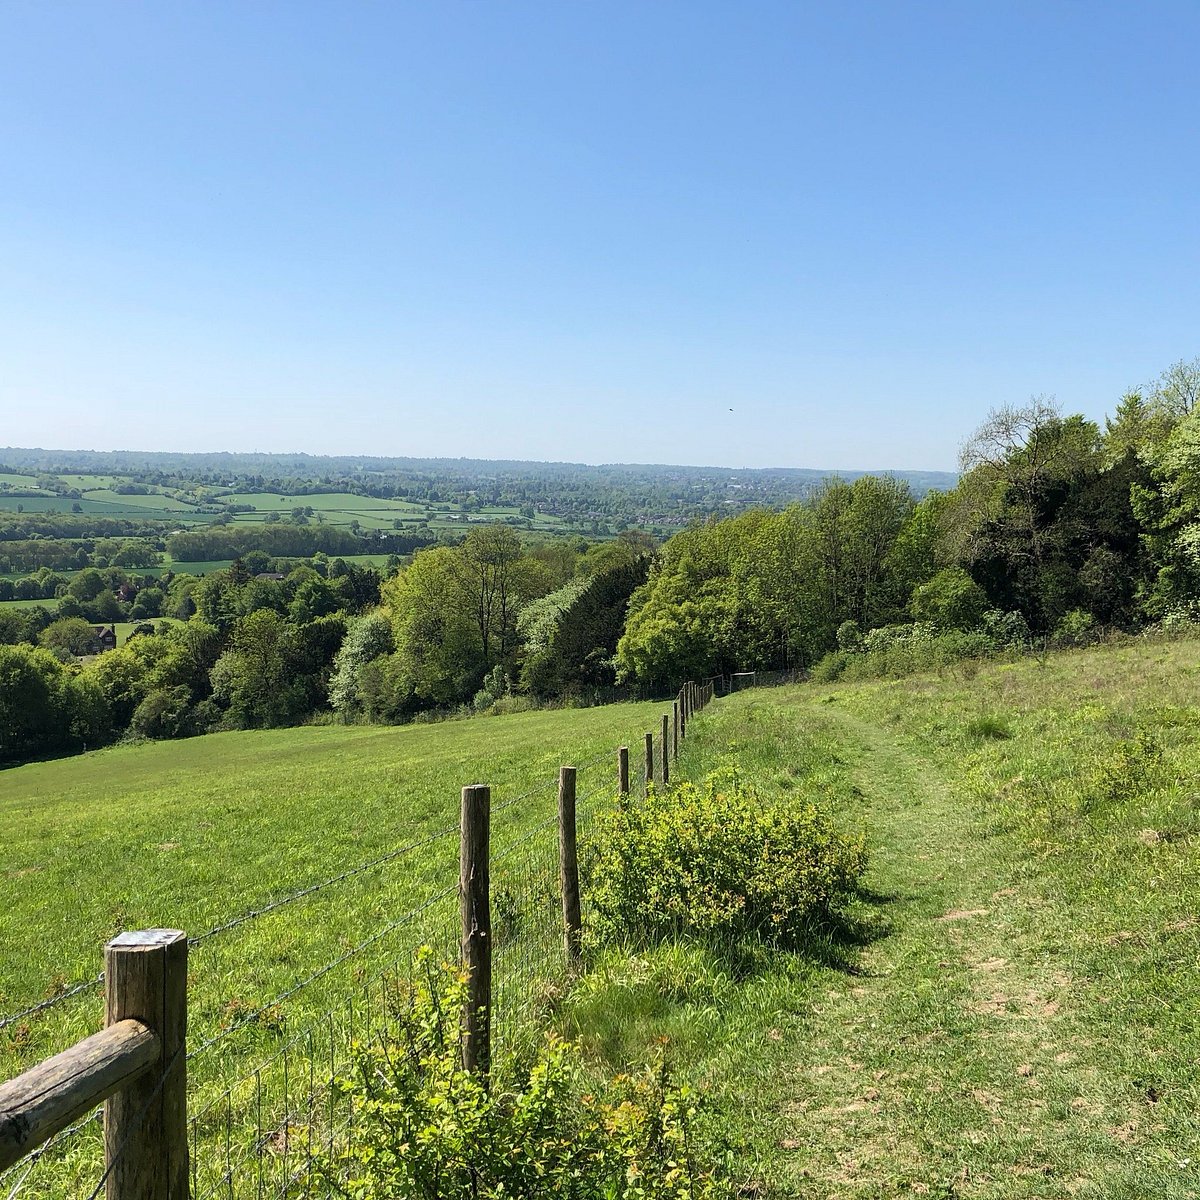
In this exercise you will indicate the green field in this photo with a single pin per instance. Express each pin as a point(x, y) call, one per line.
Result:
point(153, 503)
point(187, 833)
point(1011, 1008)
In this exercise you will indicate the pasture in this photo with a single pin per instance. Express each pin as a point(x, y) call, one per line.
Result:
point(1010, 1009)
point(187, 834)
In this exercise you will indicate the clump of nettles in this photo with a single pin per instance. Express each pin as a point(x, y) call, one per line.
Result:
point(719, 860)
point(425, 1129)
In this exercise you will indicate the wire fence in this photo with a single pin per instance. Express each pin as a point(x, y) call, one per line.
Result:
point(274, 1029)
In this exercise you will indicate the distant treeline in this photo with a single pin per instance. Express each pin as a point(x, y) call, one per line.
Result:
point(1055, 531)
point(288, 541)
point(30, 526)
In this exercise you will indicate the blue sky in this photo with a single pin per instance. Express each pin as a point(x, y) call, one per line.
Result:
point(588, 231)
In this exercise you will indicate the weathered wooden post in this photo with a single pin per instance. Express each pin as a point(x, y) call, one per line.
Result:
point(666, 742)
point(649, 760)
point(568, 867)
point(475, 906)
point(623, 770)
point(675, 730)
point(683, 719)
point(145, 1123)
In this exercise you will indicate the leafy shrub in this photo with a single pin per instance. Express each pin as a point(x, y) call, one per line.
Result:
point(1006, 630)
point(849, 636)
point(507, 705)
point(830, 667)
point(718, 860)
point(896, 650)
point(950, 600)
point(427, 1130)
point(495, 687)
point(164, 713)
point(1077, 628)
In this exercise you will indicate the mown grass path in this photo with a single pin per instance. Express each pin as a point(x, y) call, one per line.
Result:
point(958, 1056)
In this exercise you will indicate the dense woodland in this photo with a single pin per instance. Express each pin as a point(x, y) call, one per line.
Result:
point(1057, 530)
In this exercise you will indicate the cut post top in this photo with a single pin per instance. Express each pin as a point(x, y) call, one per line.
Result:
point(147, 939)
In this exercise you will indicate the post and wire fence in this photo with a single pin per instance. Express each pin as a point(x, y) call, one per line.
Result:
point(245, 1102)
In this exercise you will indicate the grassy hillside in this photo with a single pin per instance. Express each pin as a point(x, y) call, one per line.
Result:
point(1013, 1009)
point(187, 834)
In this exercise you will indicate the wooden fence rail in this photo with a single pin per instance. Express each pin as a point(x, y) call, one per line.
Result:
point(137, 1065)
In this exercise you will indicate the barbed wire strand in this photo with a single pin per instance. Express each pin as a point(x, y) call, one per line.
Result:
point(42, 1005)
point(250, 1018)
point(253, 913)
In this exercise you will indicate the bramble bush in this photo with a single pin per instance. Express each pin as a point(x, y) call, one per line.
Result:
point(718, 860)
point(428, 1130)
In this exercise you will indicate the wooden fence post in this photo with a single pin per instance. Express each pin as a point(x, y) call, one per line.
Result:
point(666, 742)
point(145, 1123)
point(475, 906)
point(675, 730)
point(682, 714)
point(623, 770)
point(568, 866)
point(649, 760)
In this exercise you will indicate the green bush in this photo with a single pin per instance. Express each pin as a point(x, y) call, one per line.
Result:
point(718, 860)
point(427, 1130)
point(1077, 628)
point(897, 650)
point(830, 668)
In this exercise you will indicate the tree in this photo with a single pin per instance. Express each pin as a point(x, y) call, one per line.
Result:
point(70, 637)
point(87, 585)
point(31, 708)
point(435, 628)
point(251, 679)
point(1177, 390)
point(950, 600)
point(368, 638)
point(1021, 468)
point(487, 566)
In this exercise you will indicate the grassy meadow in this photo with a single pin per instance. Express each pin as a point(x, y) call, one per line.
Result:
point(1010, 1009)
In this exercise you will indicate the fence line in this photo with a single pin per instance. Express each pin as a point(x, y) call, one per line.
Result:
point(161, 1139)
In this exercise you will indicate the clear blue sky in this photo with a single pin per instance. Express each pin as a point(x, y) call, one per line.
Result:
point(588, 231)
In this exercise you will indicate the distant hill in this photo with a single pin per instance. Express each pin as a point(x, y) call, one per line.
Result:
point(766, 483)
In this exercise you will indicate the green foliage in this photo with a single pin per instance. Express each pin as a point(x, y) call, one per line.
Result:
point(495, 687)
point(719, 860)
point(571, 635)
point(428, 1130)
point(950, 600)
point(892, 651)
point(1077, 628)
point(164, 713)
point(764, 590)
point(70, 637)
point(849, 636)
point(45, 707)
point(368, 638)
